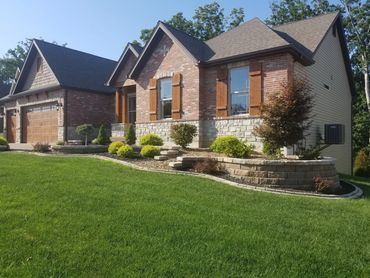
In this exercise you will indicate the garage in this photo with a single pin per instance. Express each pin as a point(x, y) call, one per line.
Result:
point(40, 123)
point(11, 123)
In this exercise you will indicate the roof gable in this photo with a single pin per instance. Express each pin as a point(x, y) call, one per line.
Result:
point(71, 68)
point(195, 49)
point(130, 49)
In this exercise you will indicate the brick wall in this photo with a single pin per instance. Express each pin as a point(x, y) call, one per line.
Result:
point(89, 108)
point(275, 68)
point(160, 65)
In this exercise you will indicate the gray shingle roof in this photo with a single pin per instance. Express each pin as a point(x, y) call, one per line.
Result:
point(4, 89)
point(250, 37)
point(308, 33)
point(77, 69)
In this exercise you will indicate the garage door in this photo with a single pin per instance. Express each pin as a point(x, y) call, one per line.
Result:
point(11, 125)
point(40, 124)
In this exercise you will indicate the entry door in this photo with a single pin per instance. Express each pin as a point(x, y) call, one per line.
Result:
point(11, 124)
point(131, 108)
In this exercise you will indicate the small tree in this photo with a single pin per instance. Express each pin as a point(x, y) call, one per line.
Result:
point(130, 137)
point(103, 137)
point(183, 134)
point(286, 115)
point(85, 130)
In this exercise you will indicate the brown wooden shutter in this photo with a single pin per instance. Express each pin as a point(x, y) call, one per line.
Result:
point(255, 88)
point(117, 114)
point(153, 99)
point(222, 92)
point(124, 114)
point(176, 96)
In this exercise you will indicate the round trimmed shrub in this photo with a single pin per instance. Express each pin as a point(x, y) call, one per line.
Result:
point(150, 151)
point(126, 151)
point(232, 147)
point(114, 146)
point(3, 141)
point(151, 139)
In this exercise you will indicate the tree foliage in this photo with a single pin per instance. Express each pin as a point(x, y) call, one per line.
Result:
point(208, 22)
point(85, 131)
point(292, 10)
point(286, 115)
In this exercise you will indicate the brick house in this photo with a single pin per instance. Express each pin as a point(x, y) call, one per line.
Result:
point(57, 89)
point(219, 85)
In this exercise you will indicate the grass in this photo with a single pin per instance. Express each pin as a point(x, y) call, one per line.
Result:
point(80, 217)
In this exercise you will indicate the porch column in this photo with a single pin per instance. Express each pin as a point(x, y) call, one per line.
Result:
point(118, 112)
point(124, 115)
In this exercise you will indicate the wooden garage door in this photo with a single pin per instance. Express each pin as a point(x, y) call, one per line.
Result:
point(11, 125)
point(40, 124)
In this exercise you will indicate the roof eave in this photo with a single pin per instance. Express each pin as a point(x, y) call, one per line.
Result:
point(302, 58)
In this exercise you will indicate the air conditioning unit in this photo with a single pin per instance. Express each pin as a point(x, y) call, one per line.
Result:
point(334, 134)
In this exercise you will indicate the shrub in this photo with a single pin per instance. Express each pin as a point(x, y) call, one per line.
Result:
point(85, 130)
point(232, 147)
point(362, 163)
point(126, 151)
point(150, 151)
point(3, 141)
point(130, 135)
point(102, 138)
point(271, 151)
point(114, 146)
point(207, 166)
point(321, 185)
point(95, 141)
point(183, 134)
point(59, 143)
point(286, 116)
point(41, 147)
point(151, 139)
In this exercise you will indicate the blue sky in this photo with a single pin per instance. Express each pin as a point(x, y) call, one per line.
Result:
point(98, 27)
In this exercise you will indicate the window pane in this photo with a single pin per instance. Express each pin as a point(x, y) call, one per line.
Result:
point(239, 79)
point(166, 88)
point(167, 107)
point(239, 103)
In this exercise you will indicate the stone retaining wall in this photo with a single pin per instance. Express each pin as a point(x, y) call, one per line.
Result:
point(296, 174)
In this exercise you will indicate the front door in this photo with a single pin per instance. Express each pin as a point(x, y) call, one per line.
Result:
point(131, 108)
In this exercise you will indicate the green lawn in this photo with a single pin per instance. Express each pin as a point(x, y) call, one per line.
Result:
point(80, 217)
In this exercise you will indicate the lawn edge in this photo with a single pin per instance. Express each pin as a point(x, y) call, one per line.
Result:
point(356, 194)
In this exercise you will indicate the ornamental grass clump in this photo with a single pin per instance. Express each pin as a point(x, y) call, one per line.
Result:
point(114, 146)
point(232, 146)
point(362, 163)
point(150, 151)
point(151, 139)
point(286, 116)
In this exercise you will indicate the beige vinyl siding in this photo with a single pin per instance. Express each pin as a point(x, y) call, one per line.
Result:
point(333, 105)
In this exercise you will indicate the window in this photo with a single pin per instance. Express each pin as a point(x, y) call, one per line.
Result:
point(165, 98)
point(131, 108)
point(239, 90)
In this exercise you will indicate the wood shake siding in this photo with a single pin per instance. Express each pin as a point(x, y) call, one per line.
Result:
point(332, 105)
point(41, 78)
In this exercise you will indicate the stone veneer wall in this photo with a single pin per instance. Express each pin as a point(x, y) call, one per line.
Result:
point(296, 174)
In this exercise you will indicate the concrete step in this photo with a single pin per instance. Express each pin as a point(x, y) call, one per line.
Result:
point(170, 153)
point(175, 164)
point(160, 157)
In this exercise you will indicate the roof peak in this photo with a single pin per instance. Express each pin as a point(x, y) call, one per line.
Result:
point(37, 41)
point(306, 19)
